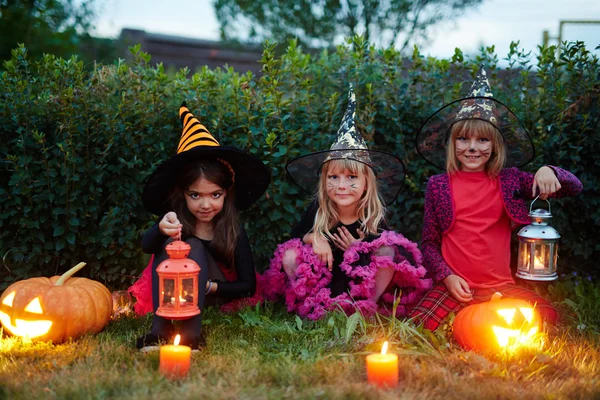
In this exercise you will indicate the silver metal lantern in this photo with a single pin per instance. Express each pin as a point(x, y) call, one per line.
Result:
point(538, 247)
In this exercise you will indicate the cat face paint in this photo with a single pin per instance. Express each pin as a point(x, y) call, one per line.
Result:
point(473, 152)
point(345, 188)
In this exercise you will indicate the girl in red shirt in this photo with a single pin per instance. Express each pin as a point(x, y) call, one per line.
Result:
point(471, 209)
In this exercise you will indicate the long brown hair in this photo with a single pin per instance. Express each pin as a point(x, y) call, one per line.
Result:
point(480, 128)
point(370, 209)
point(226, 224)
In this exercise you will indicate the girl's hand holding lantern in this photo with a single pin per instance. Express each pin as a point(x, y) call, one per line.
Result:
point(546, 181)
point(170, 225)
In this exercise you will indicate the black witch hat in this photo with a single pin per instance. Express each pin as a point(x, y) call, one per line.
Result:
point(349, 144)
point(251, 176)
point(433, 137)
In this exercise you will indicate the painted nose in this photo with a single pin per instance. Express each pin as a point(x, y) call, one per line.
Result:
point(472, 146)
point(343, 183)
point(204, 203)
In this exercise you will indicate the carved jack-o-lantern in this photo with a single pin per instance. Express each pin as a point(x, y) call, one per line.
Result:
point(55, 308)
point(497, 324)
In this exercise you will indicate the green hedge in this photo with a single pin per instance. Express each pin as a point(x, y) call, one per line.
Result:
point(76, 145)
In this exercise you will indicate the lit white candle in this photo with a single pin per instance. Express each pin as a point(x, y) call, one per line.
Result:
point(538, 263)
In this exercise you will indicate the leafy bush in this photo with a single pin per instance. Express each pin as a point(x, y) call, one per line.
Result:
point(580, 295)
point(77, 145)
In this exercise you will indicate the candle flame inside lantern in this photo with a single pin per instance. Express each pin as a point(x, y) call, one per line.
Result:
point(538, 263)
point(384, 347)
point(177, 339)
point(181, 300)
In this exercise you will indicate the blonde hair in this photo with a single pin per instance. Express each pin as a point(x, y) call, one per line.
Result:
point(480, 128)
point(370, 209)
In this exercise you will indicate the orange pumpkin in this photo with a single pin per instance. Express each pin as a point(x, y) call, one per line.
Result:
point(56, 308)
point(497, 324)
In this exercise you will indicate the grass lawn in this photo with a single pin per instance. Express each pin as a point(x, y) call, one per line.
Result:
point(268, 354)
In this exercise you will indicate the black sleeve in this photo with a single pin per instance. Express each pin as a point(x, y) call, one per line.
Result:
point(306, 222)
point(153, 240)
point(245, 285)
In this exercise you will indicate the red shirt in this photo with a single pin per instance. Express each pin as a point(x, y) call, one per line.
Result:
point(477, 246)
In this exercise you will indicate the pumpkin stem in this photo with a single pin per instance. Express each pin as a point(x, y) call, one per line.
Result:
point(496, 296)
point(63, 278)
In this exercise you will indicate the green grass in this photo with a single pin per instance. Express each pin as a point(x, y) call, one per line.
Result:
point(268, 354)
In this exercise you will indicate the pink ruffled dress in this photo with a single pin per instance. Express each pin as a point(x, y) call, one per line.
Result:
point(309, 293)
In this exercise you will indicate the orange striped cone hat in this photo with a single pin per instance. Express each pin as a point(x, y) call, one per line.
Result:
point(251, 176)
point(194, 133)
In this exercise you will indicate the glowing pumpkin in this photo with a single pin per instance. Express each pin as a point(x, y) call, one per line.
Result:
point(497, 324)
point(55, 308)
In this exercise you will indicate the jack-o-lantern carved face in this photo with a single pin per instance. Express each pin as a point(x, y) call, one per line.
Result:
point(497, 324)
point(27, 323)
point(519, 328)
point(55, 308)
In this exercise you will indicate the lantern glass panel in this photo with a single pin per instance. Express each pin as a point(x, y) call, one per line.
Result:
point(168, 293)
point(541, 259)
point(524, 256)
point(187, 292)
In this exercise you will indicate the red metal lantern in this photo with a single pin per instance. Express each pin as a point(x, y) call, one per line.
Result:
point(178, 283)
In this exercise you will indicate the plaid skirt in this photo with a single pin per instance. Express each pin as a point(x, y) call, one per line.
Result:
point(438, 303)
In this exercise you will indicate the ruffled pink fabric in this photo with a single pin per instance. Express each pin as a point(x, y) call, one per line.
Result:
point(142, 290)
point(308, 296)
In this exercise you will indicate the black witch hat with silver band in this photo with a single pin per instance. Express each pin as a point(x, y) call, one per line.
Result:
point(350, 145)
point(433, 137)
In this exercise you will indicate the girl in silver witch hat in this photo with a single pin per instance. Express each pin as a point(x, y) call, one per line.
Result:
point(342, 252)
point(471, 208)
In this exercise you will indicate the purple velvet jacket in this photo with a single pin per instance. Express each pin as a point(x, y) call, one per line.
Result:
point(439, 210)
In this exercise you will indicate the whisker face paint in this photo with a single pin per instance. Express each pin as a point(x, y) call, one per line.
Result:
point(344, 187)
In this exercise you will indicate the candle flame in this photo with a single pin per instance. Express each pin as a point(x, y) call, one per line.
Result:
point(538, 263)
point(177, 339)
point(384, 347)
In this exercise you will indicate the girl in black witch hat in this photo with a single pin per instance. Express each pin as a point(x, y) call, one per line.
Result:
point(343, 254)
point(471, 208)
point(198, 193)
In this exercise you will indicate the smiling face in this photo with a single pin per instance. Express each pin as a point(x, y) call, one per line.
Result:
point(345, 185)
point(473, 151)
point(205, 199)
point(475, 145)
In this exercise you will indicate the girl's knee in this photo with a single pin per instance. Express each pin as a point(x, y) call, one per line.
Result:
point(290, 262)
point(385, 251)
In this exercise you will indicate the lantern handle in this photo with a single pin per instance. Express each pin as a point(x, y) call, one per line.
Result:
point(537, 197)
